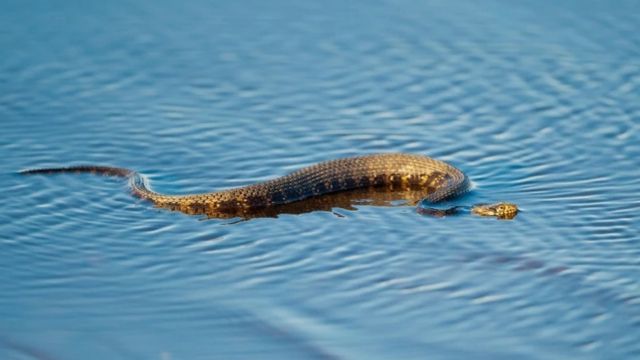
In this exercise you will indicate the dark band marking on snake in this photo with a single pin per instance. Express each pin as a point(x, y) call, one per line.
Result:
point(435, 179)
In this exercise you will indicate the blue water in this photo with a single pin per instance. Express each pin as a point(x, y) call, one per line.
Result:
point(537, 101)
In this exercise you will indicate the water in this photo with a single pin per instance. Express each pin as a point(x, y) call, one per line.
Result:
point(538, 102)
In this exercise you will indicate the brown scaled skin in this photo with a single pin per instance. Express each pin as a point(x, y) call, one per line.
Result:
point(435, 179)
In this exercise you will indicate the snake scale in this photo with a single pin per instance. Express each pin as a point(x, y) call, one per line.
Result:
point(394, 171)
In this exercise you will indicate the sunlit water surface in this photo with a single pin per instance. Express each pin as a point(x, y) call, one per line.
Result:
point(538, 102)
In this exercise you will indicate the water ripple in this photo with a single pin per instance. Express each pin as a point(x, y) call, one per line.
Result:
point(540, 111)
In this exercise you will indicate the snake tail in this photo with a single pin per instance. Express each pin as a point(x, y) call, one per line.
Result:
point(137, 182)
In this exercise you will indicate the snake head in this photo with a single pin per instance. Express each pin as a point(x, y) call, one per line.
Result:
point(502, 210)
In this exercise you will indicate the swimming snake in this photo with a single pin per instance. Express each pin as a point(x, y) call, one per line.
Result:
point(435, 180)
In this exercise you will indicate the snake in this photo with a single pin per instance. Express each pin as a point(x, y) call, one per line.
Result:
point(435, 179)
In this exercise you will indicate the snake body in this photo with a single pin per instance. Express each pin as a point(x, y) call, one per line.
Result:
point(436, 179)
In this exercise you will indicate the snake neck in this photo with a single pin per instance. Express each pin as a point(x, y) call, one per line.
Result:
point(501, 210)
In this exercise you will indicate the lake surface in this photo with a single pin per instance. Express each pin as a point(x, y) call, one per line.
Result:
point(537, 101)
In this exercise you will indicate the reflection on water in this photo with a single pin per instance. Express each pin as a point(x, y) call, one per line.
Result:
point(348, 200)
point(537, 110)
